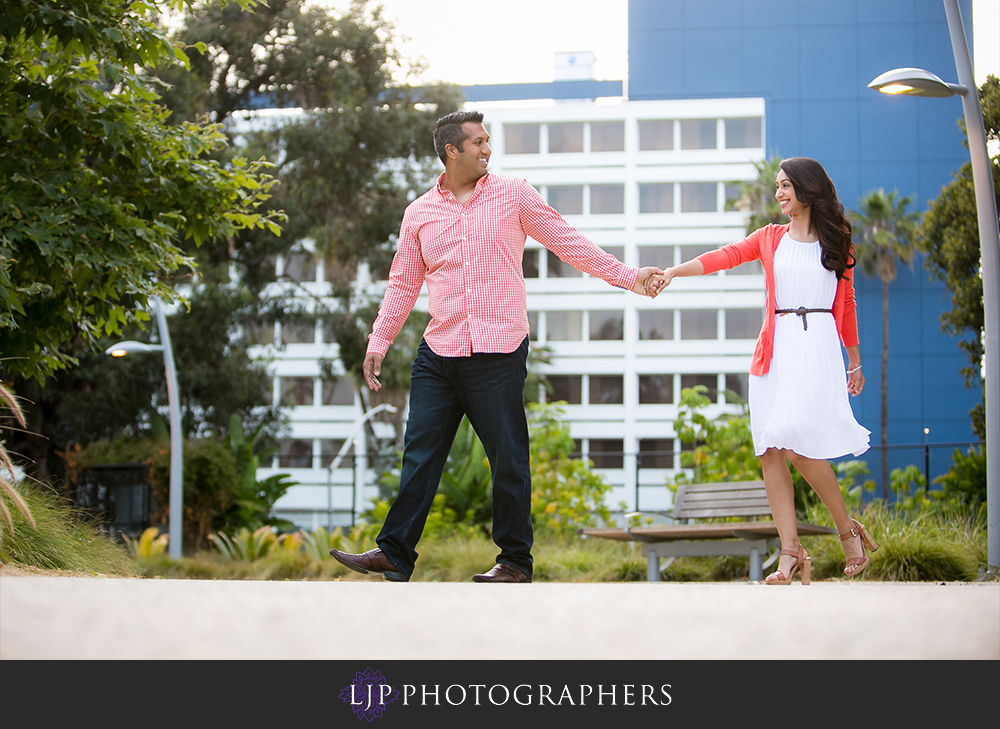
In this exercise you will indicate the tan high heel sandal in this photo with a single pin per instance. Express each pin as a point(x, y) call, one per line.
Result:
point(866, 541)
point(803, 560)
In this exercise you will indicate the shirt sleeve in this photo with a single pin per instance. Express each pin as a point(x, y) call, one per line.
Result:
point(849, 331)
point(406, 277)
point(734, 254)
point(546, 226)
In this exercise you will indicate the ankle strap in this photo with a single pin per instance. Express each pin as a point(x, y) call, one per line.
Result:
point(791, 552)
point(849, 535)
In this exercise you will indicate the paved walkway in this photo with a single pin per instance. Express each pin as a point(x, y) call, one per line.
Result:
point(45, 617)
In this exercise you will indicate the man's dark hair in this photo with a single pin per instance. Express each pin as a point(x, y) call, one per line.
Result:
point(448, 130)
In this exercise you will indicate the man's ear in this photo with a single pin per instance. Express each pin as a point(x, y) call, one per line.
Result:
point(451, 151)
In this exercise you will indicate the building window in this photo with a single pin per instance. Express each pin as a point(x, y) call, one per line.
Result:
point(616, 251)
point(656, 324)
point(607, 136)
point(567, 388)
point(656, 134)
point(293, 453)
point(529, 263)
point(296, 391)
point(328, 450)
point(739, 384)
point(699, 197)
point(743, 133)
point(532, 326)
point(521, 138)
point(338, 392)
point(699, 324)
point(743, 323)
point(260, 333)
point(298, 332)
point(656, 453)
point(698, 134)
point(606, 390)
point(607, 199)
point(564, 326)
point(300, 266)
point(605, 325)
point(656, 197)
point(690, 252)
point(709, 381)
point(566, 199)
point(558, 269)
point(607, 452)
point(661, 256)
point(656, 389)
point(566, 137)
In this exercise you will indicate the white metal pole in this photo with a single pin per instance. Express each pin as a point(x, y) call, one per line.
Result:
point(989, 241)
point(176, 446)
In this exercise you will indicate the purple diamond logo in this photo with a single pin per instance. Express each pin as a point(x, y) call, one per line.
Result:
point(369, 694)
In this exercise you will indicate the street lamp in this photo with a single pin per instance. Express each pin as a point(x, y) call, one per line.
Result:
point(176, 454)
point(918, 82)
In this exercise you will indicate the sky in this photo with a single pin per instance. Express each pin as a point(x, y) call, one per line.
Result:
point(515, 41)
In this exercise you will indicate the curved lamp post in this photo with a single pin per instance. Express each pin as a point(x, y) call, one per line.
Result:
point(918, 82)
point(176, 453)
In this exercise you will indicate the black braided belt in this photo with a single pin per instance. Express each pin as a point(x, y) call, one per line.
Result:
point(802, 311)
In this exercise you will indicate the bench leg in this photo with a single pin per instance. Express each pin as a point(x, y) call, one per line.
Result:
point(653, 567)
point(756, 568)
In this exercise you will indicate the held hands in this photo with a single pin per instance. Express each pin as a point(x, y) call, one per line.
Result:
point(371, 368)
point(649, 282)
point(654, 282)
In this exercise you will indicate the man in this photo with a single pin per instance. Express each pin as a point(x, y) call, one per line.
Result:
point(465, 238)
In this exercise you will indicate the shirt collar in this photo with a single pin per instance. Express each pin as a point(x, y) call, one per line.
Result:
point(479, 183)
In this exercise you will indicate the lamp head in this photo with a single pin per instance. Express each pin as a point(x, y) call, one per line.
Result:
point(129, 346)
point(915, 82)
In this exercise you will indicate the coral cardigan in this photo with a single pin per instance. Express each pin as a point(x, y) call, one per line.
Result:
point(761, 244)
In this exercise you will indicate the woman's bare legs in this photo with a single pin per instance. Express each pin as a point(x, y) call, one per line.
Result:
point(781, 499)
point(823, 480)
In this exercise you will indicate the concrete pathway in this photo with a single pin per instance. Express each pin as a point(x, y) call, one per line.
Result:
point(44, 617)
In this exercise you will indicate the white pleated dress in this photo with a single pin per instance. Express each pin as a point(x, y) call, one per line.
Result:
point(802, 403)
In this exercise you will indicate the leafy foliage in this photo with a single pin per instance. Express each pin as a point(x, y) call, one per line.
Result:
point(149, 545)
point(8, 489)
point(950, 235)
point(965, 481)
point(565, 493)
point(718, 450)
point(253, 545)
point(95, 186)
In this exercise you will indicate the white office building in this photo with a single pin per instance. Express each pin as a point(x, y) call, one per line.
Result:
point(648, 182)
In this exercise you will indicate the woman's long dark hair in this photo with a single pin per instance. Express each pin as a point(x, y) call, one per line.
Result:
point(814, 188)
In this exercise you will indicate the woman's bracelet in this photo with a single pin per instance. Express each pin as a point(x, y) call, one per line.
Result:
point(851, 372)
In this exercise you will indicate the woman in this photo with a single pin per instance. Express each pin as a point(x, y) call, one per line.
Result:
point(799, 409)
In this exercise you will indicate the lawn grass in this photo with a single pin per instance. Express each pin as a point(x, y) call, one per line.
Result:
point(941, 544)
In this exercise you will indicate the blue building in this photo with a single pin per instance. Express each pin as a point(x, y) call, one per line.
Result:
point(811, 62)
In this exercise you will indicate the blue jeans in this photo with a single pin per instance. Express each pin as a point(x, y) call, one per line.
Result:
point(489, 389)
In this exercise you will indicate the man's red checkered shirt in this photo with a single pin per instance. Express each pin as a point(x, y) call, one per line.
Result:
point(470, 256)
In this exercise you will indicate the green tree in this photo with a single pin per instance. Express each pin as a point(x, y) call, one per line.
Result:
point(717, 450)
point(756, 198)
point(354, 148)
point(885, 232)
point(950, 236)
point(96, 189)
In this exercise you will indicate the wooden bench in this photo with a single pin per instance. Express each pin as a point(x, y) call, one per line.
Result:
point(731, 499)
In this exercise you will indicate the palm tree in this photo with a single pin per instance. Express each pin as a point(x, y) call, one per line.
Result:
point(884, 232)
point(756, 197)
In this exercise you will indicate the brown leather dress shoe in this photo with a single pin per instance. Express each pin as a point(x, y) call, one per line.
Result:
point(372, 562)
point(502, 573)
